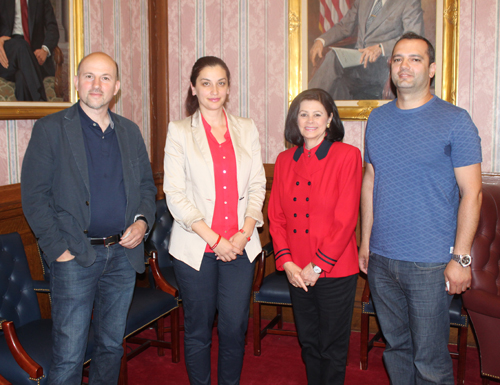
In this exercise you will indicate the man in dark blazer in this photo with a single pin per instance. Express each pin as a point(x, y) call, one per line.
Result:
point(27, 63)
point(378, 27)
point(88, 194)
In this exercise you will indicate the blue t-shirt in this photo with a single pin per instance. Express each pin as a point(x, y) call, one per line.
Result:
point(415, 195)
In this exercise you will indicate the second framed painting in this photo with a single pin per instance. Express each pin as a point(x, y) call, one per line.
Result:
point(58, 23)
point(344, 29)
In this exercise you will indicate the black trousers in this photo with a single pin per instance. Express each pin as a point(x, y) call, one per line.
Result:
point(225, 287)
point(24, 70)
point(323, 319)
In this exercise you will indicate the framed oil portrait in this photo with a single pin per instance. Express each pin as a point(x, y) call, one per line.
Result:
point(438, 20)
point(58, 80)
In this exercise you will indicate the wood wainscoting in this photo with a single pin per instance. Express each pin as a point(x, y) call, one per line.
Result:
point(12, 220)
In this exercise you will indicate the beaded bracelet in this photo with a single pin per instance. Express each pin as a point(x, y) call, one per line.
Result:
point(216, 243)
point(243, 232)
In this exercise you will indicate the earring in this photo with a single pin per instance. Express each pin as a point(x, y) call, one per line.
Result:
point(328, 125)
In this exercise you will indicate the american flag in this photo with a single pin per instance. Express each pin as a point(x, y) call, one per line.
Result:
point(331, 12)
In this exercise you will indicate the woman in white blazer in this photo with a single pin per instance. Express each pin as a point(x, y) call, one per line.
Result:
point(215, 188)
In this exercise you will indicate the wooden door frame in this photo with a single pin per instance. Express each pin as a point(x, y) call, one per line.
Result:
point(158, 81)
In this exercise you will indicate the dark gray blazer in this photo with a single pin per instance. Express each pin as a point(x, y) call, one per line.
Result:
point(394, 19)
point(55, 185)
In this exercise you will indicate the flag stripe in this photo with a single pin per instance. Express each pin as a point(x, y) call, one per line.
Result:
point(331, 12)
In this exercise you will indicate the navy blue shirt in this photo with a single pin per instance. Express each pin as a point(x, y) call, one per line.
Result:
point(107, 191)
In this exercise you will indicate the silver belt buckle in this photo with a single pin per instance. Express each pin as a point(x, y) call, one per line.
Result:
point(108, 241)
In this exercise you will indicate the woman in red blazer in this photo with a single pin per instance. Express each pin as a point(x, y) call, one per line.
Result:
point(313, 213)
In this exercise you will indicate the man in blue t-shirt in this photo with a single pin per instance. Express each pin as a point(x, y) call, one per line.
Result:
point(420, 204)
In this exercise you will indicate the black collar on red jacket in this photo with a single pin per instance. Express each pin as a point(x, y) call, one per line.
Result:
point(321, 152)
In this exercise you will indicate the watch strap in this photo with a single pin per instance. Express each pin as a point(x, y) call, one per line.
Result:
point(463, 259)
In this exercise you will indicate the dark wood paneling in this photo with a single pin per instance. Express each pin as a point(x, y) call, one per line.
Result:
point(12, 220)
point(159, 106)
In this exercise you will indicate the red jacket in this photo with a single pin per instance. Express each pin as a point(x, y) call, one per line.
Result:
point(314, 205)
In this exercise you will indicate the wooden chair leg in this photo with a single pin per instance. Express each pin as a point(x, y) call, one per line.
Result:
point(175, 336)
point(160, 334)
point(256, 329)
point(123, 379)
point(462, 354)
point(363, 349)
point(279, 310)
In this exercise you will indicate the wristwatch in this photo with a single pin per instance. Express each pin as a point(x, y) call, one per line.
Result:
point(317, 269)
point(140, 217)
point(464, 259)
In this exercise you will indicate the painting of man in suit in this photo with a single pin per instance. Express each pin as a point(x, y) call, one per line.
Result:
point(28, 36)
point(373, 27)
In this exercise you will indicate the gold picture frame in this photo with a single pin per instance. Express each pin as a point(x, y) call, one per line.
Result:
point(36, 110)
point(447, 22)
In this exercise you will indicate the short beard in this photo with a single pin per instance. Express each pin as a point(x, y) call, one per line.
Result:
point(95, 105)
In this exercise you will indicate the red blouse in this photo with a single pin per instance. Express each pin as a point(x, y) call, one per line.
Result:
point(225, 219)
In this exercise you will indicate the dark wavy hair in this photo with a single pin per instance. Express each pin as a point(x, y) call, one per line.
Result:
point(334, 133)
point(206, 61)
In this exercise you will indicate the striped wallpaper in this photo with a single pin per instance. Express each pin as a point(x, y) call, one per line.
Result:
point(251, 36)
point(479, 66)
point(252, 39)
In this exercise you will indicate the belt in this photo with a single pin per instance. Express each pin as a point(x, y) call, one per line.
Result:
point(108, 241)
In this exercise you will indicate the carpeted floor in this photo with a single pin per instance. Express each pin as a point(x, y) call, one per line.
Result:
point(279, 364)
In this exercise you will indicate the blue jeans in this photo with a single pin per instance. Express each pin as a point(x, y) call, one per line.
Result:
point(413, 311)
point(222, 286)
point(106, 287)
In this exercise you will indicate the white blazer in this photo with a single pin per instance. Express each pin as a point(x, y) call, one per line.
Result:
point(189, 183)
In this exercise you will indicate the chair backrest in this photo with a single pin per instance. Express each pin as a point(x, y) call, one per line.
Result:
point(159, 237)
point(18, 301)
point(486, 247)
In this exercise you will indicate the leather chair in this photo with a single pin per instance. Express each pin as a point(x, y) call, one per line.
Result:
point(270, 290)
point(26, 350)
point(483, 300)
point(458, 319)
point(149, 305)
point(159, 239)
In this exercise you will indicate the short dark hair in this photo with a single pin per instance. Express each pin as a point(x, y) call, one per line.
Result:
point(334, 133)
point(206, 61)
point(413, 36)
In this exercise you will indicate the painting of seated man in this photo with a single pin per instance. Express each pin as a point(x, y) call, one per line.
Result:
point(351, 42)
point(33, 48)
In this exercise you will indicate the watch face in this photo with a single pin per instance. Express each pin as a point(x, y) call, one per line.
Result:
point(466, 260)
point(317, 269)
